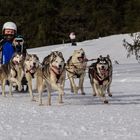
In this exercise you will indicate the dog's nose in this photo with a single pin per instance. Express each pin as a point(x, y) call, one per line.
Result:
point(102, 67)
point(82, 54)
point(34, 63)
point(60, 66)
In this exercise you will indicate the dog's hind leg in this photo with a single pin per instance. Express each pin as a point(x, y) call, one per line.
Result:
point(75, 88)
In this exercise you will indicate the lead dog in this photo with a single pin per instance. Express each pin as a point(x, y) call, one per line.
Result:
point(76, 66)
point(13, 72)
point(31, 66)
point(100, 74)
point(52, 75)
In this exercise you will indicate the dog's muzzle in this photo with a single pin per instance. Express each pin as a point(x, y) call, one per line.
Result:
point(103, 70)
point(57, 70)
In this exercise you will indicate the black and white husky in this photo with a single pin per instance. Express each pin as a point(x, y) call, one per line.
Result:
point(100, 74)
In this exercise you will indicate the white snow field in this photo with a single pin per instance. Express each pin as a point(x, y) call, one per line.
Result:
point(81, 117)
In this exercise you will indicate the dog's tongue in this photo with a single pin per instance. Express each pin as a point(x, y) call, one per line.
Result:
point(32, 71)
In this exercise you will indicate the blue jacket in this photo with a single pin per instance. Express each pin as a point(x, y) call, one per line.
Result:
point(7, 51)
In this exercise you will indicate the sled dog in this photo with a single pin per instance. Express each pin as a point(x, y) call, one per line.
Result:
point(52, 75)
point(75, 67)
point(31, 66)
point(100, 75)
point(12, 72)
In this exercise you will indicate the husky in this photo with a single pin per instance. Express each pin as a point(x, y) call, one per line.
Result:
point(12, 72)
point(100, 75)
point(52, 75)
point(76, 67)
point(31, 66)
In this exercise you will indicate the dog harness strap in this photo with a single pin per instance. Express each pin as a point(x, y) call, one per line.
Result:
point(99, 79)
point(32, 74)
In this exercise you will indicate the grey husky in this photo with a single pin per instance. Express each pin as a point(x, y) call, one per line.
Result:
point(52, 75)
point(12, 72)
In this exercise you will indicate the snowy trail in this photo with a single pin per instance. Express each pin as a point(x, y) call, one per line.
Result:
point(80, 117)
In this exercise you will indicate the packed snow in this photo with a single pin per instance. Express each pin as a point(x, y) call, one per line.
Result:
point(81, 117)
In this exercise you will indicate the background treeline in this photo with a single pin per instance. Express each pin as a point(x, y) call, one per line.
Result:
point(46, 22)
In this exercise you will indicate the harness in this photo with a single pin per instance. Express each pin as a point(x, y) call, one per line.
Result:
point(75, 72)
point(32, 73)
point(99, 79)
point(58, 75)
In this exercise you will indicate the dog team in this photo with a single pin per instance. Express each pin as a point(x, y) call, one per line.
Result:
point(51, 74)
point(19, 67)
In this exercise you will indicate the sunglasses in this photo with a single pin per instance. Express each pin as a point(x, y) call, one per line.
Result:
point(19, 40)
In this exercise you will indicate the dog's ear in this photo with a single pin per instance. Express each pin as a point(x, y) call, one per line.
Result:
point(100, 56)
point(81, 49)
point(108, 56)
point(27, 56)
point(34, 55)
point(98, 59)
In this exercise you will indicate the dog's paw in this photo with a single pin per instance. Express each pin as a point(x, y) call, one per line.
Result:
point(19, 88)
point(110, 95)
point(40, 104)
point(10, 94)
point(4, 95)
point(105, 101)
point(83, 93)
point(48, 104)
point(33, 100)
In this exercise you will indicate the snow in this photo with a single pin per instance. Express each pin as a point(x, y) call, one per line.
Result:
point(81, 117)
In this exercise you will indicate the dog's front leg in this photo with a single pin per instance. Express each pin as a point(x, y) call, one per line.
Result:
point(40, 88)
point(14, 80)
point(49, 93)
point(75, 88)
point(30, 88)
point(10, 88)
point(93, 88)
point(59, 88)
point(3, 87)
point(99, 89)
point(81, 81)
point(108, 90)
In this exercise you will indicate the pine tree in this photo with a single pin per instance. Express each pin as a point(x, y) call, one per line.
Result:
point(133, 48)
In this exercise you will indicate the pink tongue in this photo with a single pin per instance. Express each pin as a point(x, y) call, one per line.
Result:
point(32, 71)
